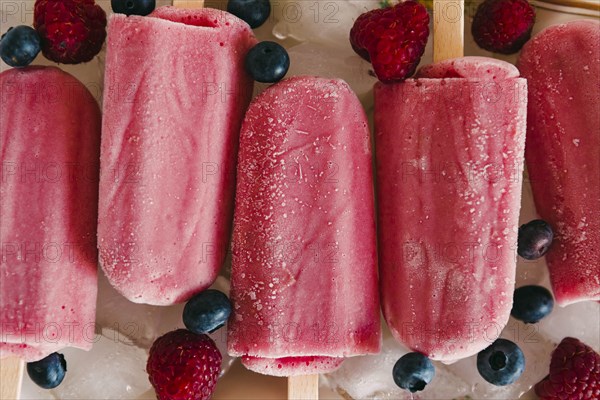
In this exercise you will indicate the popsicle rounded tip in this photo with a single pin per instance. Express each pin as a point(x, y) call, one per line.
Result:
point(267, 62)
point(133, 7)
point(535, 238)
point(253, 12)
point(184, 365)
point(48, 372)
point(413, 371)
point(207, 311)
point(532, 303)
point(502, 363)
point(475, 67)
point(292, 366)
point(19, 46)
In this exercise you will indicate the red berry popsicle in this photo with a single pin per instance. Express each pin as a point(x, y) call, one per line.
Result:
point(175, 94)
point(304, 277)
point(562, 67)
point(449, 148)
point(50, 145)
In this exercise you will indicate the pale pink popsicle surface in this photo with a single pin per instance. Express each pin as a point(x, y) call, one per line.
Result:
point(304, 277)
point(562, 67)
point(175, 95)
point(50, 145)
point(449, 162)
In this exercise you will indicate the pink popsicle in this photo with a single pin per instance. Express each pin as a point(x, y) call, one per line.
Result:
point(175, 95)
point(449, 161)
point(304, 277)
point(562, 67)
point(50, 141)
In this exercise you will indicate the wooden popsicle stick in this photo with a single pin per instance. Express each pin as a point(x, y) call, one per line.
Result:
point(188, 3)
point(11, 377)
point(303, 387)
point(448, 29)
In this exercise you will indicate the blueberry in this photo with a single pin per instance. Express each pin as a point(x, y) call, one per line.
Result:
point(413, 371)
point(535, 238)
point(267, 62)
point(19, 46)
point(133, 7)
point(531, 303)
point(254, 12)
point(48, 372)
point(502, 363)
point(206, 312)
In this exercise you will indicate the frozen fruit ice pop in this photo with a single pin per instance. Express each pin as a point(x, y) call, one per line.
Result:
point(562, 67)
point(304, 276)
point(50, 136)
point(175, 94)
point(449, 148)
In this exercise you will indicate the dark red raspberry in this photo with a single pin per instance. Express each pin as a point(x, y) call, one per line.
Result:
point(392, 38)
point(574, 373)
point(72, 31)
point(503, 26)
point(184, 366)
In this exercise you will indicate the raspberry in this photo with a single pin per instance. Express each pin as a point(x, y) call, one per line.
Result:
point(503, 26)
point(184, 366)
point(72, 31)
point(392, 38)
point(574, 373)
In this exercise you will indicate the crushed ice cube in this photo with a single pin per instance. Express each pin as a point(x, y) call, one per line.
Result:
point(579, 320)
point(31, 391)
point(142, 324)
point(135, 321)
point(368, 377)
point(535, 347)
point(114, 368)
